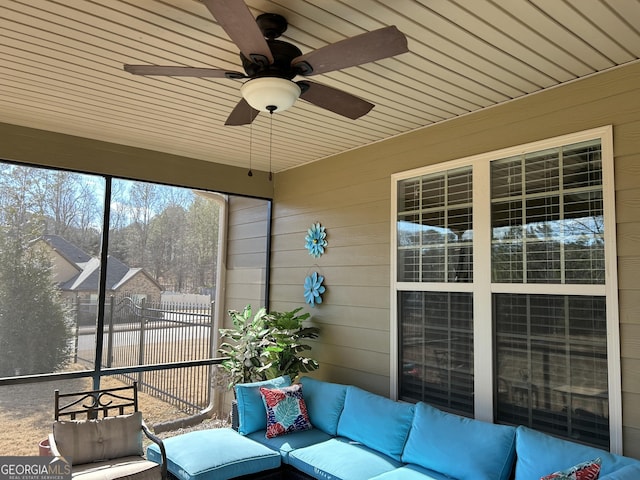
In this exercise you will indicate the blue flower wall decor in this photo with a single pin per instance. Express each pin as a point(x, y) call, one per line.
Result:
point(313, 289)
point(316, 240)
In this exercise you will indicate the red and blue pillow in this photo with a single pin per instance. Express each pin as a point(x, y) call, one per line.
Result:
point(286, 410)
point(583, 471)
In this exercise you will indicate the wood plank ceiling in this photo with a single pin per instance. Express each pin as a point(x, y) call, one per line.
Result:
point(61, 68)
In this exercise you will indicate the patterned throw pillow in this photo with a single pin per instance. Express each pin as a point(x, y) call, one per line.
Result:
point(583, 471)
point(286, 410)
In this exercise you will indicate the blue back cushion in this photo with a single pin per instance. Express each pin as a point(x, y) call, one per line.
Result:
point(460, 447)
point(540, 454)
point(325, 402)
point(630, 472)
point(375, 421)
point(252, 414)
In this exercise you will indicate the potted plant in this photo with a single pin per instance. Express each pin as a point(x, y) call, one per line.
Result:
point(243, 345)
point(265, 345)
point(284, 347)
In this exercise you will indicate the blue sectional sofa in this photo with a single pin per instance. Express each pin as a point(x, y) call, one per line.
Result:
point(358, 435)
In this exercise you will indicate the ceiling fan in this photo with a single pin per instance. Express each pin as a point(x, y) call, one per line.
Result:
point(271, 65)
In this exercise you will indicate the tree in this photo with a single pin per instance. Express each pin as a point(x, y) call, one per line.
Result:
point(202, 241)
point(72, 208)
point(166, 245)
point(34, 333)
point(145, 201)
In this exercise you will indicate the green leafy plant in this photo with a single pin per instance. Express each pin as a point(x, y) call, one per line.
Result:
point(265, 345)
point(284, 352)
point(243, 345)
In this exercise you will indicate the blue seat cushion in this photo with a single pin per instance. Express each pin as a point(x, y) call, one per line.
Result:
point(216, 454)
point(539, 454)
point(341, 459)
point(285, 444)
point(411, 472)
point(375, 421)
point(325, 402)
point(460, 447)
point(252, 414)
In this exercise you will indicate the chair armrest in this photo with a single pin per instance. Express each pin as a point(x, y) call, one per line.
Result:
point(158, 441)
point(52, 445)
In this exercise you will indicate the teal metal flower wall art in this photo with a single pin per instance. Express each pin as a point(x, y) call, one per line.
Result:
point(316, 240)
point(313, 289)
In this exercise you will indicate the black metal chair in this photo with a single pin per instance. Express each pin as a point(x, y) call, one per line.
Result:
point(100, 433)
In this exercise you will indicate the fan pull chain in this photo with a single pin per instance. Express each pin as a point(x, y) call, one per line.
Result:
point(271, 109)
point(270, 142)
point(250, 173)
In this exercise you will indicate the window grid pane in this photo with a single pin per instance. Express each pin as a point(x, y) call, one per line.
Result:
point(551, 361)
point(547, 217)
point(436, 349)
point(434, 228)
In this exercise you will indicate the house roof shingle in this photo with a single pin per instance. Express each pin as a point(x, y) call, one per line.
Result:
point(67, 249)
point(88, 279)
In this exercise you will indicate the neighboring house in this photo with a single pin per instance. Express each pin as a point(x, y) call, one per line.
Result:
point(78, 274)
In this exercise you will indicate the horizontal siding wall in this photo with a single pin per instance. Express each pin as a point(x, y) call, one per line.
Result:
point(350, 195)
point(246, 259)
point(354, 315)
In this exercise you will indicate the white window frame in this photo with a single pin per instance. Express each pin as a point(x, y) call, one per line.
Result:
point(483, 289)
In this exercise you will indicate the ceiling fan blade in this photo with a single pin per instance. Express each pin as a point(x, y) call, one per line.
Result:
point(237, 20)
point(364, 48)
point(242, 114)
point(335, 100)
point(176, 71)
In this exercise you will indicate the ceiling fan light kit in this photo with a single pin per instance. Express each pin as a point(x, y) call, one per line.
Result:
point(271, 65)
point(270, 94)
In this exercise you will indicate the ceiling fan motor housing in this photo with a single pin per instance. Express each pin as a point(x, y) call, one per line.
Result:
point(283, 53)
point(270, 87)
